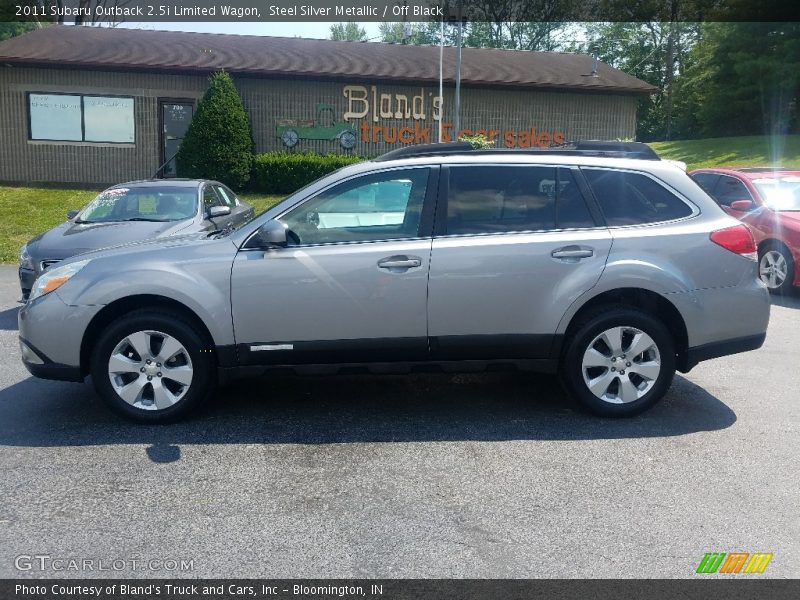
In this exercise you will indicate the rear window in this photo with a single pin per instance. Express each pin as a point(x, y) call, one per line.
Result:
point(634, 199)
point(501, 199)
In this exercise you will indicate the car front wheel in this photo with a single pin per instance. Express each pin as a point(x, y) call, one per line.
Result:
point(618, 362)
point(152, 366)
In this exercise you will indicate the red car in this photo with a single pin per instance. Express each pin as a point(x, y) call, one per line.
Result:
point(768, 200)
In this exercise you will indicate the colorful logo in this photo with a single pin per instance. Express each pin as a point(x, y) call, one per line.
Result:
point(734, 562)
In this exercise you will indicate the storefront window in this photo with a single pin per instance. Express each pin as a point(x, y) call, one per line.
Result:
point(81, 118)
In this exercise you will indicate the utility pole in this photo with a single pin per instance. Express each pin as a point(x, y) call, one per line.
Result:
point(441, 77)
point(457, 107)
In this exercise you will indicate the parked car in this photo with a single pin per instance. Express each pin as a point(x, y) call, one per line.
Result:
point(134, 211)
point(768, 200)
point(611, 271)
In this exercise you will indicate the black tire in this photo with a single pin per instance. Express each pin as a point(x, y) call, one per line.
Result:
point(586, 331)
point(788, 283)
point(203, 364)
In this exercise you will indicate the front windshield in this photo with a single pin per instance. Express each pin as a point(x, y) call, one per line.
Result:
point(780, 193)
point(148, 203)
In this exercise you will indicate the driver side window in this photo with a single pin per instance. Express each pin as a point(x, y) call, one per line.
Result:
point(382, 206)
point(210, 197)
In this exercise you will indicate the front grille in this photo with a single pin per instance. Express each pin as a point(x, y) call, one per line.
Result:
point(47, 263)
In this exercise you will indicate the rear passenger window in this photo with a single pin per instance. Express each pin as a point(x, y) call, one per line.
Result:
point(730, 189)
point(633, 198)
point(506, 199)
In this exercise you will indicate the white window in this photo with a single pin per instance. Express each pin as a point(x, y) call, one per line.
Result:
point(81, 118)
point(108, 119)
point(55, 117)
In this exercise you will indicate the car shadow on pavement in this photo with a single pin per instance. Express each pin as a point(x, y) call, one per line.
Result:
point(350, 409)
point(790, 300)
point(8, 319)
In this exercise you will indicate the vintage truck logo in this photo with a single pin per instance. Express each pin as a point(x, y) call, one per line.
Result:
point(324, 127)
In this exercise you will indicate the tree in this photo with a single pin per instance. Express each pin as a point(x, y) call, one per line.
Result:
point(484, 34)
point(219, 143)
point(654, 52)
point(348, 32)
point(9, 30)
point(745, 79)
point(415, 34)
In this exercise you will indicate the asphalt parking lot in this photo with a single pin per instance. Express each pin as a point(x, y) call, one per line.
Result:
point(478, 476)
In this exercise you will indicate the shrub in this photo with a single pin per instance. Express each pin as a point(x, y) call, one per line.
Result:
point(478, 141)
point(284, 173)
point(218, 144)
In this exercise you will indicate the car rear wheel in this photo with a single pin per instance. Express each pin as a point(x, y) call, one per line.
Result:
point(151, 366)
point(776, 268)
point(618, 362)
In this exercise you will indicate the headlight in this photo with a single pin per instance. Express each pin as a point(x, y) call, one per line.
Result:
point(25, 259)
point(52, 279)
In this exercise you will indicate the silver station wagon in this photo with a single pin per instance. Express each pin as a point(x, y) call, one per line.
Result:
point(598, 262)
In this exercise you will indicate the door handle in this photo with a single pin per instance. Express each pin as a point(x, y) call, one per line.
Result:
point(572, 253)
point(399, 262)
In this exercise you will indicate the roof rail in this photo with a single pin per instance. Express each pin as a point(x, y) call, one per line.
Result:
point(427, 150)
point(611, 149)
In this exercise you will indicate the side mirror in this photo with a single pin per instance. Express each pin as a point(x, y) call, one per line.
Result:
point(742, 205)
point(272, 234)
point(218, 211)
point(71, 214)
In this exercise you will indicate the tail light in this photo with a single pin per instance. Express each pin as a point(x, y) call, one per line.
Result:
point(738, 239)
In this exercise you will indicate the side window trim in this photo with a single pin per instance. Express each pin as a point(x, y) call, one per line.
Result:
point(426, 216)
point(440, 228)
point(588, 196)
point(695, 210)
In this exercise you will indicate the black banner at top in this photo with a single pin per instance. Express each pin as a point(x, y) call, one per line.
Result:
point(116, 11)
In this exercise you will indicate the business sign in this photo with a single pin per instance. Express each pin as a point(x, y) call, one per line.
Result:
point(373, 116)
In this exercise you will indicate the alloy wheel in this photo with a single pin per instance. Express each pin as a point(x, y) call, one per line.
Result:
point(621, 365)
point(772, 269)
point(150, 370)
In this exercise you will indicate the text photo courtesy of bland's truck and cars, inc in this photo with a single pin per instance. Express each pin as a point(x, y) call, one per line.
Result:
point(225, 10)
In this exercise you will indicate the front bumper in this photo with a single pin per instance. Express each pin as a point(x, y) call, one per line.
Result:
point(26, 279)
point(39, 365)
point(50, 334)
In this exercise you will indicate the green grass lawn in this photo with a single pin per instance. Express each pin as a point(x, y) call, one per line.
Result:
point(752, 151)
point(27, 212)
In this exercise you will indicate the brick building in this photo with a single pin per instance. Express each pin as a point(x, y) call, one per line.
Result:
point(93, 105)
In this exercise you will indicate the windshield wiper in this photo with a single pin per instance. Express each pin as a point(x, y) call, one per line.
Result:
point(218, 233)
point(146, 219)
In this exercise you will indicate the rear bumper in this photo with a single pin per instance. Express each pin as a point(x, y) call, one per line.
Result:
point(724, 348)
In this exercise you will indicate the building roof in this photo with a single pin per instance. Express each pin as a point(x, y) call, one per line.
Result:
point(120, 49)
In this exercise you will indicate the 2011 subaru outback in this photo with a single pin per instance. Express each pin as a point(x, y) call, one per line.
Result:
point(612, 271)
